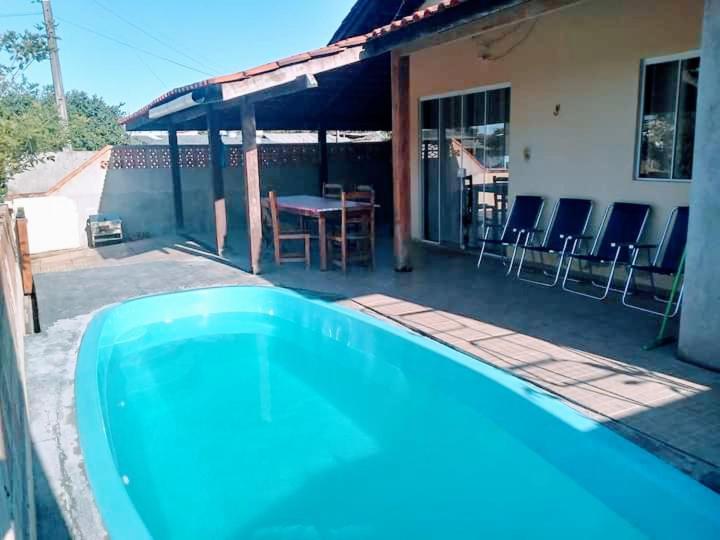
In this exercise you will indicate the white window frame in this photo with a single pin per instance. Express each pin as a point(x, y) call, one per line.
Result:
point(641, 107)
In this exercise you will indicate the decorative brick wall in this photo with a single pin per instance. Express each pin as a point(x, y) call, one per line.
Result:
point(271, 155)
point(17, 516)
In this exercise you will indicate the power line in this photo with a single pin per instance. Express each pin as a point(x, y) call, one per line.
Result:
point(131, 46)
point(27, 14)
point(149, 34)
point(151, 70)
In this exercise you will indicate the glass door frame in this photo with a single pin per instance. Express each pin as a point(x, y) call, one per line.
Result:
point(421, 183)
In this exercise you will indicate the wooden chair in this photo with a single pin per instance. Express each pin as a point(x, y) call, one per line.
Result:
point(332, 191)
point(362, 193)
point(356, 235)
point(280, 236)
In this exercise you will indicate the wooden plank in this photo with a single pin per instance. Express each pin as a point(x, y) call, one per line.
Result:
point(400, 77)
point(21, 232)
point(218, 185)
point(324, 169)
point(176, 179)
point(287, 74)
point(252, 186)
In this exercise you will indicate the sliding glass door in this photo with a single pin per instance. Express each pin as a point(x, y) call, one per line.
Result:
point(430, 168)
point(464, 164)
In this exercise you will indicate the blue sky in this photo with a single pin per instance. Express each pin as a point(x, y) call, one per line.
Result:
point(212, 36)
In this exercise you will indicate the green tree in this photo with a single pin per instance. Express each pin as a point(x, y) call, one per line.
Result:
point(93, 123)
point(30, 129)
point(27, 127)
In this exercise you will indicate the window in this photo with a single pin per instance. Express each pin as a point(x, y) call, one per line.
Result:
point(668, 105)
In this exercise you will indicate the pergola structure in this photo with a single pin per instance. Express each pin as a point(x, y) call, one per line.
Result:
point(339, 87)
point(355, 83)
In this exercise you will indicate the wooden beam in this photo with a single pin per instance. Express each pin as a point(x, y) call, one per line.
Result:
point(400, 77)
point(218, 185)
point(251, 168)
point(324, 169)
point(289, 73)
point(21, 233)
point(176, 179)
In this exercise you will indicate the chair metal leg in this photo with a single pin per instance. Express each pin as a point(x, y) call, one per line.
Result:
point(556, 277)
point(482, 249)
point(512, 258)
point(607, 287)
point(675, 311)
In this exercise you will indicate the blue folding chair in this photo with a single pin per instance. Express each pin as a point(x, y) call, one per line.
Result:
point(569, 220)
point(622, 226)
point(668, 254)
point(524, 216)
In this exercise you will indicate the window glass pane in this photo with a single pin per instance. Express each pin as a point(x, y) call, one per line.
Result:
point(687, 105)
point(451, 159)
point(658, 120)
point(498, 121)
point(473, 141)
point(429, 158)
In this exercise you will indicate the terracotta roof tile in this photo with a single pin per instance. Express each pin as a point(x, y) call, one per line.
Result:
point(325, 51)
point(259, 70)
point(294, 59)
point(352, 41)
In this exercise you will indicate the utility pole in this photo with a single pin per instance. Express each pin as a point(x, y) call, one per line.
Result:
point(55, 64)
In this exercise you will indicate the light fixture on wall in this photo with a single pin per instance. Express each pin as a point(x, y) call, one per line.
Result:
point(527, 154)
point(556, 110)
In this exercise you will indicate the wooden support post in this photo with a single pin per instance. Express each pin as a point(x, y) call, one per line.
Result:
point(400, 77)
point(323, 150)
point(176, 180)
point(21, 233)
point(252, 186)
point(218, 185)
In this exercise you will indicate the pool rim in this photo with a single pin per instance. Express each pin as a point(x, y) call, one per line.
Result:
point(119, 514)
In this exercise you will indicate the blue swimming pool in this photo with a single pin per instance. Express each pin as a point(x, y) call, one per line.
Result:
point(251, 412)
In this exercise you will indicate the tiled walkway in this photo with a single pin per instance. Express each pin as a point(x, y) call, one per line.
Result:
point(587, 353)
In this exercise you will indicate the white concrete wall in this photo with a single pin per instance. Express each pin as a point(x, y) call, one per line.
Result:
point(586, 58)
point(141, 197)
point(52, 223)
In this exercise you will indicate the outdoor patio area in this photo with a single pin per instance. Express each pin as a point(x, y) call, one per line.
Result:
point(587, 353)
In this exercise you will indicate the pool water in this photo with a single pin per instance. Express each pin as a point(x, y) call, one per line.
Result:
point(262, 425)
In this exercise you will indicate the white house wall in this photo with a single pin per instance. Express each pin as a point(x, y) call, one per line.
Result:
point(586, 59)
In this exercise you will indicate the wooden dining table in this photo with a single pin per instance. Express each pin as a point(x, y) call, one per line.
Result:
point(314, 207)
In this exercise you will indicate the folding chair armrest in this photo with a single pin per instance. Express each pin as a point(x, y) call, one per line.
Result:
point(576, 241)
point(643, 246)
point(293, 236)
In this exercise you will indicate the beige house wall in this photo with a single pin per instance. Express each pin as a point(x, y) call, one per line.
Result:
point(585, 58)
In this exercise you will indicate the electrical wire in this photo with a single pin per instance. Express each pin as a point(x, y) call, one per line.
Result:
point(151, 70)
point(517, 43)
point(152, 36)
point(131, 46)
point(27, 14)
